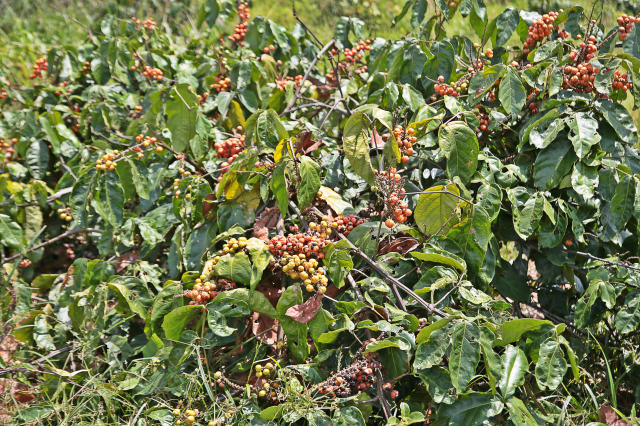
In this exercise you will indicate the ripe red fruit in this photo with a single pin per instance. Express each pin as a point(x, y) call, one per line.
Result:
point(390, 223)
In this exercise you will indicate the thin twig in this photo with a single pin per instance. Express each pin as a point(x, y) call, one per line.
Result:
point(306, 75)
point(53, 240)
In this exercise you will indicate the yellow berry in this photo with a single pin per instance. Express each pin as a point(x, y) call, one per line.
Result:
point(176, 412)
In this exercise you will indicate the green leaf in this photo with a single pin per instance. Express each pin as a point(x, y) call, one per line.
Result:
point(519, 414)
point(464, 355)
point(551, 365)
point(176, 321)
point(526, 220)
point(470, 410)
point(460, 146)
point(584, 180)
point(295, 331)
point(542, 135)
point(436, 255)
point(182, 112)
point(512, 94)
point(631, 44)
point(235, 267)
point(584, 133)
point(37, 159)
point(10, 232)
point(511, 331)
point(620, 119)
point(436, 208)
point(355, 141)
point(621, 207)
point(514, 365)
point(100, 70)
point(109, 200)
point(260, 259)
point(126, 297)
point(278, 185)
point(552, 164)
point(489, 197)
point(430, 353)
point(628, 318)
point(506, 24)
point(309, 182)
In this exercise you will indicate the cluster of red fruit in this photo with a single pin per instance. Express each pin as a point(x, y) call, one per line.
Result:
point(86, 67)
point(3, 93)
point(41, 65)
point(388, 388)
point(222, 84)
point(625, 23)
point(145, 142)
point(443, 88)
point(621, 81)
point(345, 224)
point(149, 24)
point(203, 98)
point(151, 73)
point(356, 378)
point(483, 117)
point(540, 29)
point(282, 84)
point(62, 85)
point(25, 263)
point(405, 139)
point(229, 150)
point(8, 148)
point(532, 103)
point(580, 78)
point(586, 52)
point(351, 55)
point(205, 291)
point(268, 49)
point(391, 185)
point(240, 30)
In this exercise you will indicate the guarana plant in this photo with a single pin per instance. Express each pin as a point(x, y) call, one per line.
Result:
point(240, 223)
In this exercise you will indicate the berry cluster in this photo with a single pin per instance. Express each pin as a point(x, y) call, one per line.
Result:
point(282, 84)
point(86, 67)
point(8, 148)
point(443, 88)
point(356, 378)
point(205, 291)
point(3, 93)
point(240, 30)
point(222, 84)
point(203, 98)
point(625, 23)
point(391, 187)
point(483, 117)
point(65, 214)
point(25, 263)
point(151, 73)
point(345, 224)
point(351, 56)
point(538, 30)
point(41, 65)
point(268, 49)
point(107, 161)
point(453, 4)
point(388, 388)
point(189, 416)
point(586, 52)
point(297, 266)
point(580, 78)
point(621, 81)
point(405, 139)
point(145, 142)
point(149, 24)
point(176, 184)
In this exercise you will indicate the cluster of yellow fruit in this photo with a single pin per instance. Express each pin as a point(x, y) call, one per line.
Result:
point(107, 161)
point(65, 214)
point(189, 416)
point(177, 192)
point(308, 270)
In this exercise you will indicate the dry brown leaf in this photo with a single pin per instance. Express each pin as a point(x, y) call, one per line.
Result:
point(609, 417)
point(269, 218)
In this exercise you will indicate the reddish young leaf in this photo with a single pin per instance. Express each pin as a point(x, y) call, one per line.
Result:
point(270, 218)
point(305, 312)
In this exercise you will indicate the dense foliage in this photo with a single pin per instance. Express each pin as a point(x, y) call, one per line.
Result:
point(249, 225)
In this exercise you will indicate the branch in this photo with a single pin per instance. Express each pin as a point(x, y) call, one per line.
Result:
point(306, 75)
point(428, 306)
point(609, 262)
point(53, 240)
